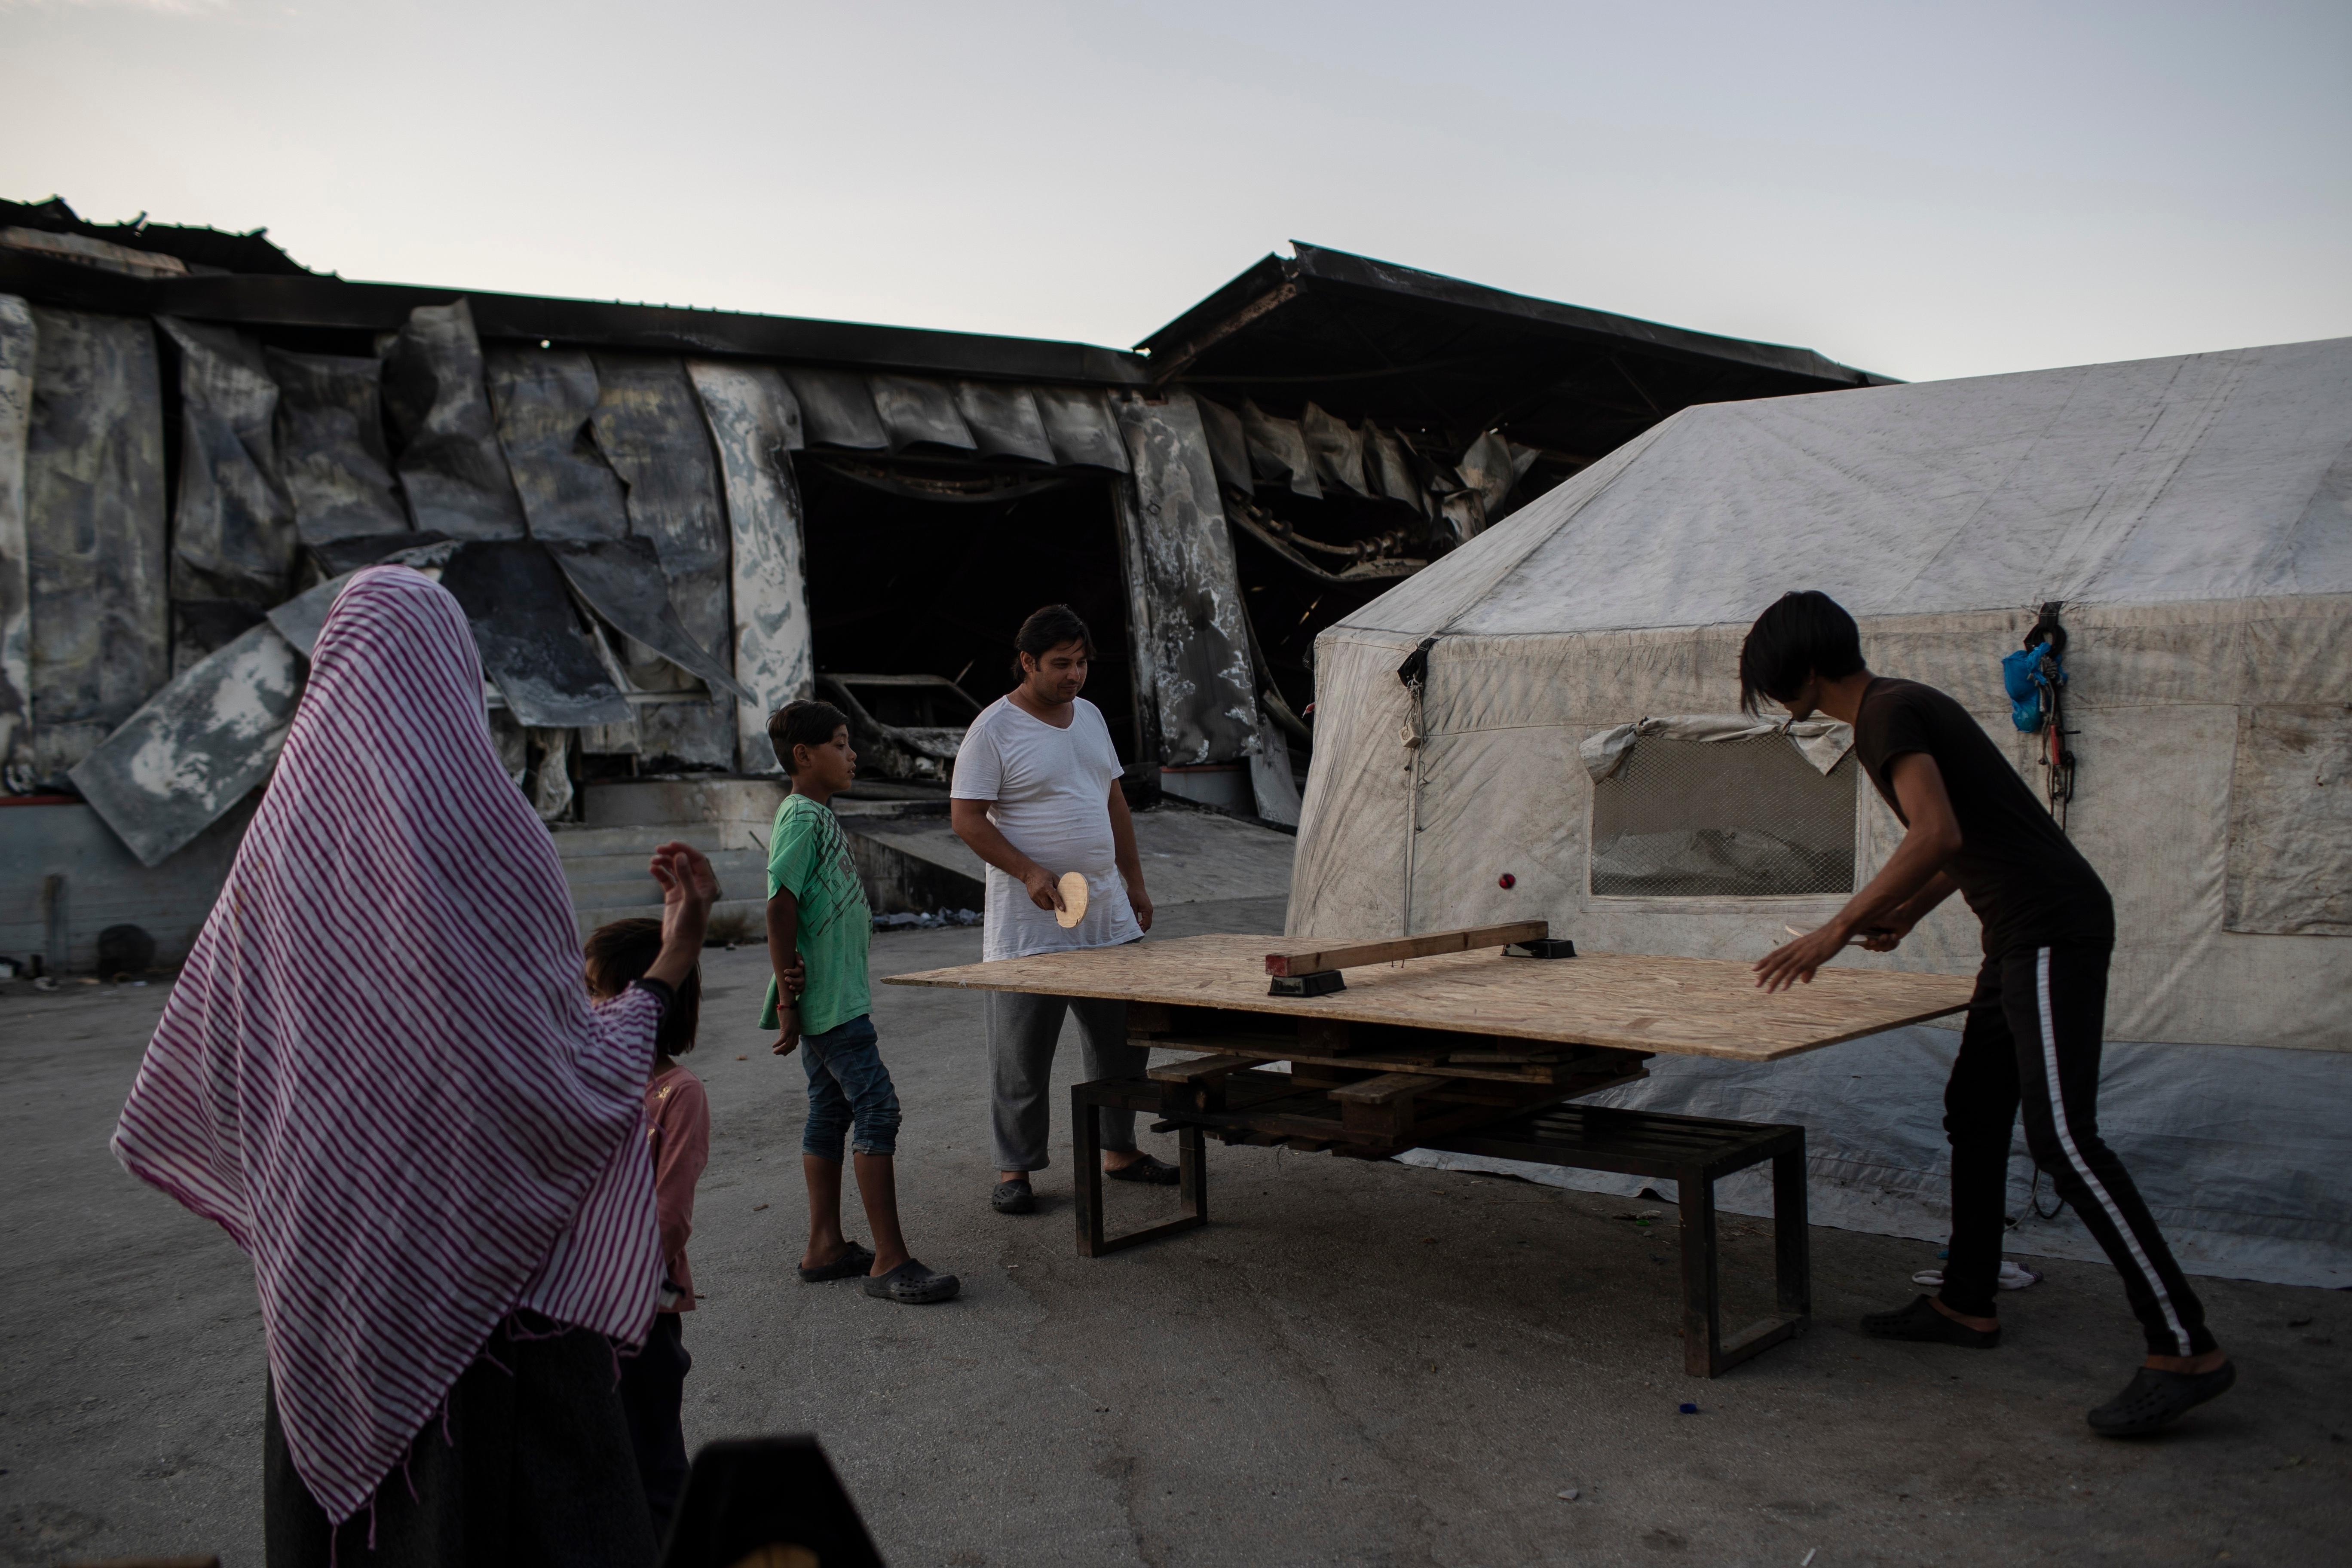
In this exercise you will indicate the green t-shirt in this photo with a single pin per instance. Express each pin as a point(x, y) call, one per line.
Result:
point(808, 856)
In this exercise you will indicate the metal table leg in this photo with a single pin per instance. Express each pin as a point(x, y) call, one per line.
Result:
point(1702, 1287)
point(1192, 1184)
point(1706, 1353)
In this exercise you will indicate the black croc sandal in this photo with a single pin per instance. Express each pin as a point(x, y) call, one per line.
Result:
point(1159, 1173)
point(848, 1266)
point(910, 1284)
point(1920, 1324)
point(2154, 1400)
point(1015, 1197)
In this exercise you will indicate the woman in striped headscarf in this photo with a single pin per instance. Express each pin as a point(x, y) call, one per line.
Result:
point(380, 1072)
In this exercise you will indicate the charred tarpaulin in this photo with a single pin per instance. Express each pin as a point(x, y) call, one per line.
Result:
point(663, 522)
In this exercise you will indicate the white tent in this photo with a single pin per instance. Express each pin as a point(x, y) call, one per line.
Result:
point(2194, 515)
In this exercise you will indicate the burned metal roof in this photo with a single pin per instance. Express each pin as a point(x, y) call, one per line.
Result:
point(319, 303)
point(1365, 337)
point(1370, 339)
point(198, 250)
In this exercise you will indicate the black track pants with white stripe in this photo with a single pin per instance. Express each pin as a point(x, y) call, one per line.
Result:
point(2033, 1041)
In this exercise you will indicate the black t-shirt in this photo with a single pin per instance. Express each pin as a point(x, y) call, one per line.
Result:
point(2028, 884)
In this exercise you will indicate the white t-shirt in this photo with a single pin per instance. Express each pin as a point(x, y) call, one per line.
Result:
point(1052, 792)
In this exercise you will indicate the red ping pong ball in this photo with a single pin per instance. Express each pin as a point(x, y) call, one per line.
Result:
point(1506, 881)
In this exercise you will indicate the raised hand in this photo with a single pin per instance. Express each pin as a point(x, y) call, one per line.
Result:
point(690, 887)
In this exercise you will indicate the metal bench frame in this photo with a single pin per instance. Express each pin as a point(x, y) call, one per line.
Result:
point(1692, 1152)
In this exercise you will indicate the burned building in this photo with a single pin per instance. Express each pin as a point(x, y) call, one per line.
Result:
point(662, 523)
point(1365, 418)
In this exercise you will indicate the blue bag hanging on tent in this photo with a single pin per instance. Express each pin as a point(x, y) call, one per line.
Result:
point(2032, 676)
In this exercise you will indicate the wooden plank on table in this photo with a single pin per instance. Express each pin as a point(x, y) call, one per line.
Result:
point(1395, 949)
point(1680, 1006)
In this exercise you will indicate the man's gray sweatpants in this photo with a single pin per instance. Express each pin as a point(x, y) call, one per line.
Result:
point(1023, 1030)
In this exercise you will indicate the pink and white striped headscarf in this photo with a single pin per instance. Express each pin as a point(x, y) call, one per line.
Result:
point(380, 1072)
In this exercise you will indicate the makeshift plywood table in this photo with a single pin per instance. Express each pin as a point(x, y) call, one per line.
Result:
point(1469, 1041)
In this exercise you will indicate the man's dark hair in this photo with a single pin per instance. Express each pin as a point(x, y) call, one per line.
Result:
point(621, 952)
point(1047, 629)
point(1802, 634)
point(803, 723)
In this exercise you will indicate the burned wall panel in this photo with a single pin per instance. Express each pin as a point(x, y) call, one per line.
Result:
point(1082, 427)
point(1204, 687)
point(545, 402)
point(919, 412)
point(622, 580)
point(197, 747)
point(1389, 468)
point(331, 453)
point(1338, 449)
point(233, 537)
point(1004, 420)
point(451, 470)
point(1228, 446)
point(650, 426)
point(836, 409)
point(534, 648)
point(755, 423)
point(94, 525)
point(1278, 450)
point(16, 356)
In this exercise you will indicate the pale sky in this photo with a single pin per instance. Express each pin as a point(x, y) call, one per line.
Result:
point(1923, 191)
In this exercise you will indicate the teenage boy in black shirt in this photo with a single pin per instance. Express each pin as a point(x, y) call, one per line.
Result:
point(2035, 1023)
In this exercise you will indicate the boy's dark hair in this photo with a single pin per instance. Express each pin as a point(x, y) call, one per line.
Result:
point(1047, 629)
point(803, 723)
point(621, 952)
point(1802, 634)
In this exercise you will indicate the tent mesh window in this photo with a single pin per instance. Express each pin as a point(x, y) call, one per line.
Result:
point(1748, 818)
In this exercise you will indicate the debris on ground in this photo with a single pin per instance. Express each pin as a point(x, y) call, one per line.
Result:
point(906, 921)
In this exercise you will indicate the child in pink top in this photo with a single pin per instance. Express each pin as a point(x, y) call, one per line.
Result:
point(678, 1127)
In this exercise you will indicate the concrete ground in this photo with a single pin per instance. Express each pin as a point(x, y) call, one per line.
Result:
point(1355, 1364)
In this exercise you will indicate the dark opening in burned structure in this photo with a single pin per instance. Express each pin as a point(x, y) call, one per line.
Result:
point(664, 522)
point(921, 559)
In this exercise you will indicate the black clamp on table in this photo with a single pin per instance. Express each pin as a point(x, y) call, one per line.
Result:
point(1322, 982)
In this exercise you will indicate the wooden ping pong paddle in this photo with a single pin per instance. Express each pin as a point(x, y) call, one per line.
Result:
point(1073, 900)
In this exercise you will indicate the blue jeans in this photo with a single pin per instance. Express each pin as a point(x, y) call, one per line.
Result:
point(848, 1085)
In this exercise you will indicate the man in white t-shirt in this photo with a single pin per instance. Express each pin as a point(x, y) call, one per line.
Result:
point(1037, 796)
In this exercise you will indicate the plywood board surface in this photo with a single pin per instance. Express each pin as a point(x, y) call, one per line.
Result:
point(1685, 1006)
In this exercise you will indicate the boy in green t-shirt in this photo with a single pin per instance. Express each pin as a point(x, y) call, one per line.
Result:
point(818, 925)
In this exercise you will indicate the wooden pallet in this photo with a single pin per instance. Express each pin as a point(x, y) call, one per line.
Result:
point(1369, 1114)
point(1368, 1089)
